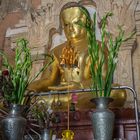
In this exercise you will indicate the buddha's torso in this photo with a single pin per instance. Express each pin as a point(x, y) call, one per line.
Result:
point(73, 73)
point(76, 73)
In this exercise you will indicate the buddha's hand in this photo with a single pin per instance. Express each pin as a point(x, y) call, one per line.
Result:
point(75, 85)
point(68, 57)
point(65, 86)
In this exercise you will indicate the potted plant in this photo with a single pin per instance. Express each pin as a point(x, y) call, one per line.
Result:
point(44, 115)
point(14, 82)
point(103, 56)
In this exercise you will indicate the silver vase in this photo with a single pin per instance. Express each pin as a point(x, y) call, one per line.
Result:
point(102, 119)
point(13, 125)
point(45, 134)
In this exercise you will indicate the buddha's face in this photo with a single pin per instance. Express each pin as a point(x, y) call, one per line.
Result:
point(72, 30)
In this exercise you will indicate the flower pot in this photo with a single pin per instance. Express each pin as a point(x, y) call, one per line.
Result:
point(102, 119)
point(45, 134)
point(13, 125)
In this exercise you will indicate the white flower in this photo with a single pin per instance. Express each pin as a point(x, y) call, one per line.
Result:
point(49, 110)
point(115, 60)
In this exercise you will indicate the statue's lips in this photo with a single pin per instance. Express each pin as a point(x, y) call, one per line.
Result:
point(72, 34)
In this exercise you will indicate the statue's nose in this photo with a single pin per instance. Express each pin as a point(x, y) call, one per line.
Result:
point(71, 27)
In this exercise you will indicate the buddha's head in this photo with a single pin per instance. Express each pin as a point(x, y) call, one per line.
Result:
point(70, 16)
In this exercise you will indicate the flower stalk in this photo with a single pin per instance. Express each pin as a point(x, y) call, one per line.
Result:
point(103, 55)
point(16, 82)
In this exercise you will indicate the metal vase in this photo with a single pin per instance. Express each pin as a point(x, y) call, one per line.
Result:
point(102, 119)
point(45, 134)
point(13, 126)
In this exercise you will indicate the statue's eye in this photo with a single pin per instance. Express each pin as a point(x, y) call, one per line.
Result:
point(76, 22)
point(66, 24)
point(77, 72)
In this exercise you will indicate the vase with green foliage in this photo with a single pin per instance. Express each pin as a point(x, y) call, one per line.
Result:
point(44, 116)
point(102, 53)
point(14, 82)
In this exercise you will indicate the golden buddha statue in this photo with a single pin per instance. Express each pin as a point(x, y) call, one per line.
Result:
point(71, 68)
